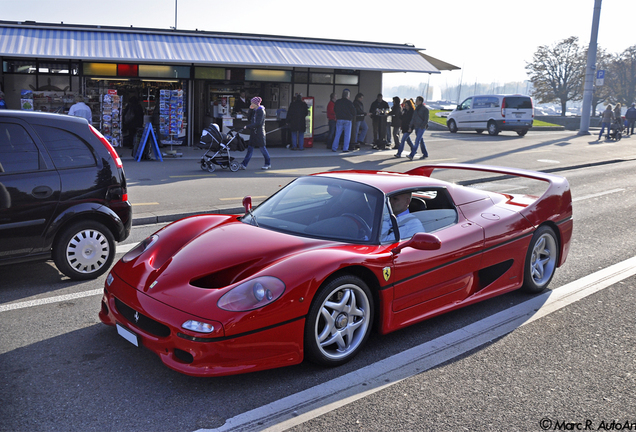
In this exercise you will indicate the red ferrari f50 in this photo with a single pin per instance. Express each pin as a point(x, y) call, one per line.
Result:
point(310, 271)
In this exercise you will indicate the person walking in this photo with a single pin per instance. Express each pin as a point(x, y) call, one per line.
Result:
point(378, 110)
point(606, 122)
point(345, 114)
point(256, 127)
point(405, 125)
point(331, 118)
point(296, 119)
point(80, 109)
point(360, 128)
point(396, 117)
point(419, 123)
point(630, 119)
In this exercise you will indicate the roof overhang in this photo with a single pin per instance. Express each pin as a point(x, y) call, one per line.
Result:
point(114, 44)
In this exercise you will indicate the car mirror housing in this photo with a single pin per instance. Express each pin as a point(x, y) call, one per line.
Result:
point(247, 204)
point(420, 241)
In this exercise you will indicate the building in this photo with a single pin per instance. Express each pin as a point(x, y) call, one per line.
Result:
point(187, 79)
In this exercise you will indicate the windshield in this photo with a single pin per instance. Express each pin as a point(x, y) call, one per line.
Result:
point(323, 207)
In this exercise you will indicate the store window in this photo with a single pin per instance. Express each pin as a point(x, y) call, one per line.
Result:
point(301, 77)
point(209, 73)
point(347, 79)
point(19, 66)
point(321, 78)
point(54, 68)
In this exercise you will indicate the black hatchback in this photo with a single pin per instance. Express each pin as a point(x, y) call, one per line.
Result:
point(62, 193)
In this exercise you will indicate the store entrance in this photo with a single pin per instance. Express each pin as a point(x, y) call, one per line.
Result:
point(125, 106)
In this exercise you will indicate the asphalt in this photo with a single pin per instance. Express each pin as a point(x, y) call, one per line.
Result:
point(173, 167)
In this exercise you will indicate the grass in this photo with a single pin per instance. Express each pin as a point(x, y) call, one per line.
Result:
point(442, 120)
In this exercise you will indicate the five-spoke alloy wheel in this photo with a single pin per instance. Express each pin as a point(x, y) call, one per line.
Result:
point(541, 260)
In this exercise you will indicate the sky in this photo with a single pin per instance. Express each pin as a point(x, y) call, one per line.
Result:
point(491, 40)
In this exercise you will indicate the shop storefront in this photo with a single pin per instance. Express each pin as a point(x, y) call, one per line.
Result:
point(186, 80)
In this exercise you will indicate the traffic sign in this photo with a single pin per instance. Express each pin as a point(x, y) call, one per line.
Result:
point(600, 77)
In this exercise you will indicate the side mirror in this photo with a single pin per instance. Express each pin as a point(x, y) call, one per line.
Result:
point(247, 204)
point(420, 241)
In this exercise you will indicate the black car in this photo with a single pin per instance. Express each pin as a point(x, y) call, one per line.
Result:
point(62, 193)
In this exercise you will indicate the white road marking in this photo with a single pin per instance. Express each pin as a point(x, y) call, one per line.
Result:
point(298, 408)
point(49, 300)
point(596, 195)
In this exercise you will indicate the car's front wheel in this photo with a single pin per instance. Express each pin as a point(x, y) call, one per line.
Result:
point(85, 250)
point(541, 260)
point(339, 321)
point(452, 126)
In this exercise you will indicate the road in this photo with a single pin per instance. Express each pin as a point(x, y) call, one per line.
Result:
point(63, 370)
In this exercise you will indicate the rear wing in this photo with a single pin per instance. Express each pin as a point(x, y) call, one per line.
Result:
point(554, 205)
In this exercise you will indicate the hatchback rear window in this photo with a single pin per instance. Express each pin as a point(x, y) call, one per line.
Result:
point(66, 149)
point(518, 102)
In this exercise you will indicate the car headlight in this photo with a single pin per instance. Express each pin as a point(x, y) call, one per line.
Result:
point(252, 294)
point(140, 248)
point(198, 326)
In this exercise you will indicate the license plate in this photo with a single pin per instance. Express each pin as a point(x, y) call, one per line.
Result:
point(128, 335)
point(518, 115)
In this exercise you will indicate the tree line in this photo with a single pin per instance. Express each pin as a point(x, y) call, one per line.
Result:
point(557, 74)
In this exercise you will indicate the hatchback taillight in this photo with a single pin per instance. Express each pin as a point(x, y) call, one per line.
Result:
point(108, 146)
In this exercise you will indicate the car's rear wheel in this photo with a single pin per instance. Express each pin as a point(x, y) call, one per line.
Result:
point(339, 321)
point(85, 250)
point(452, 126)
point(541, 260)
point(522, 132)
point(493, 130)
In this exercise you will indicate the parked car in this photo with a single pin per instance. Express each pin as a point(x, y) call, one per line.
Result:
point(62, 193)
point(310, 271)
point(494, 113)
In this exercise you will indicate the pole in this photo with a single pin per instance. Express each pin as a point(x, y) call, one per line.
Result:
point(175, 14)
point(586, 108)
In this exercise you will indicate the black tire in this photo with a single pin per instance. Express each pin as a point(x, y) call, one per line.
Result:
point(479, 131)
point(493, 130)
point(522, 132)
point(333, 334)
point(84, 250)
point(452, 126)
point(541, 260)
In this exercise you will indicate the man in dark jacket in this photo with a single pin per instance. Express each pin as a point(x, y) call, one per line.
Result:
point(296, 119)
point(419, 123)
point(630, 119)
point(378, 110)
point(345, 114)
point(360, 127)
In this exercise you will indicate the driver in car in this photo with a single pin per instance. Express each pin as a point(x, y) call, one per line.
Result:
point(408, 224)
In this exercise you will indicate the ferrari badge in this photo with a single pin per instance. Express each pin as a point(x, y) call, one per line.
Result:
point(386, 271)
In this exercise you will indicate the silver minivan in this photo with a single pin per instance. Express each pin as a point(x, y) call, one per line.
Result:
point(494, 113)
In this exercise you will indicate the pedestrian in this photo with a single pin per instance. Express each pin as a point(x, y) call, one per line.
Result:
point(405, 125)
point(606, 122)
point(3, 104)
point(256, 127)
point(618, 116)
point(80, 109)
point(296, 119)
point(378, 110)
point(241, 104)
point(360, 128)
point(396, 121)
point(331, 118)
point(419, 123)
point(345, 114)
point(630, 119)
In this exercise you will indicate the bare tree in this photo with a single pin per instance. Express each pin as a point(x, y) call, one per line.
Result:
point(622, 77)
point(557, 73)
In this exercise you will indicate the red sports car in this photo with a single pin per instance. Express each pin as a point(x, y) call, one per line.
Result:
point(312, 269)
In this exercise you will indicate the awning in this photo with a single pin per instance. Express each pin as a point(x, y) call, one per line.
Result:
point(200, 48)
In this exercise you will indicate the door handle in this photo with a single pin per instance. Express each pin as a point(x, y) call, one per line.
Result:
point(42, 192)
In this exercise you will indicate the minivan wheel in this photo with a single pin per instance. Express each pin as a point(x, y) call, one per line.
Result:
point(493, 130)
point(452, 126)
point(84, 250)
point(522, 132)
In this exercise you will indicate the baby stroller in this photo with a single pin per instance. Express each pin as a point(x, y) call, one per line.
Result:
point(218, 148)
point(616, 130)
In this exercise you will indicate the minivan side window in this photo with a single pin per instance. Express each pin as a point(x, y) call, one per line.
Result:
point(466, 104)
point(18, 152)
point(486, 102)
point(66, 149)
